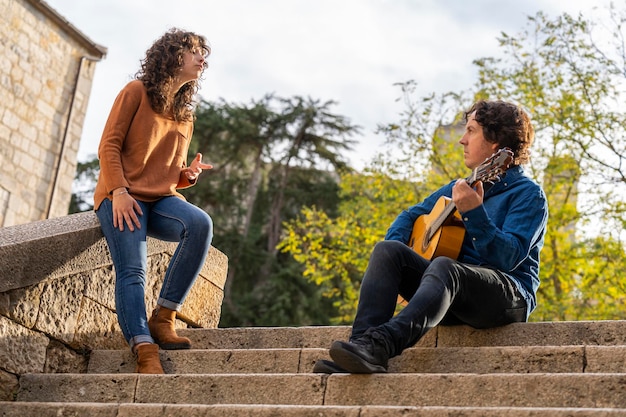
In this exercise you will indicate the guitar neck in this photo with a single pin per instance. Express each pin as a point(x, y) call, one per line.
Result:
point(473, 178)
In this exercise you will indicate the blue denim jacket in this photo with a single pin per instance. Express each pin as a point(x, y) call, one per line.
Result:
point(506, 232)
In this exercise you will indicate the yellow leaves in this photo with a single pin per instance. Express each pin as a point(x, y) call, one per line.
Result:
point(581, 280)
point(335, 252)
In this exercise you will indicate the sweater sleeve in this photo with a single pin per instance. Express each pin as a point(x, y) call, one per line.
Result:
point(183, 181)
point(115, 130)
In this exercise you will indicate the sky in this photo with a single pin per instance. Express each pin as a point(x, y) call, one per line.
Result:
point(348, 51)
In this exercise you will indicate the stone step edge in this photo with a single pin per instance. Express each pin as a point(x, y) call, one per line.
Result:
point(17, 409)
point(607, 332)
point(557, 359)
point(441, 349)
point(548, 390)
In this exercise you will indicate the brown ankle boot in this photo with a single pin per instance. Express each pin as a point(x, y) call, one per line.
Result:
point(161, 326)
point(148, 361)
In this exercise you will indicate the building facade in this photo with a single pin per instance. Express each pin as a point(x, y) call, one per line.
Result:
point(45, 80)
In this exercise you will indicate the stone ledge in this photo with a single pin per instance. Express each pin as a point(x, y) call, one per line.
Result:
point(563, 333)
point(48, 248)
point(57, 292)
point(70, 244)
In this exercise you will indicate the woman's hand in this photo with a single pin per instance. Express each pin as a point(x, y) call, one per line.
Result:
point(125, 209)
point(196, 168)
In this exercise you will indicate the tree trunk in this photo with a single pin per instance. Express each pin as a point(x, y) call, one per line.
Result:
point(251, 195)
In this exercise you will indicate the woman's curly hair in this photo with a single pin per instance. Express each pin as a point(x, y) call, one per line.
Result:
point(507, 125)
point(158, 70)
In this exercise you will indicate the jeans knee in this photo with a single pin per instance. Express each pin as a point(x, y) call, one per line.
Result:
point(442, 263)
point(207, 223)
point(387, 249)
point(445, 270)
point(203, 225)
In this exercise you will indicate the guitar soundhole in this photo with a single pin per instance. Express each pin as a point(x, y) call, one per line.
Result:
point(426, 240)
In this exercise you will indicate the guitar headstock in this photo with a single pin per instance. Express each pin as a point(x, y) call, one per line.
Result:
point(492, 169)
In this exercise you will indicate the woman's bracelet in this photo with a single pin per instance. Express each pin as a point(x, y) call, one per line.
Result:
point(121, 192)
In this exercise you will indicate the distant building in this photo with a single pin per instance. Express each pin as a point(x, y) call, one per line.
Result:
point(46, 73)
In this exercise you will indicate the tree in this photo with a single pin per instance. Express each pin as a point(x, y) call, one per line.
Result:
point(571, 76)
point(334, 250)
point(84, 184)
point(271, 157)
point(316, 137)
point(239, 139)
point(573, 87)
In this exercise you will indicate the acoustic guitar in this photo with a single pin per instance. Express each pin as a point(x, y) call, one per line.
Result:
point(441, 232)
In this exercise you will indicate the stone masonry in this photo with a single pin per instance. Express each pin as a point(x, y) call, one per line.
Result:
point(46, 74)
point(57, 295)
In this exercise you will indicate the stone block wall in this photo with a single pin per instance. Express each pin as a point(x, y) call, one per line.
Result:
point(57, 295)
point(46, 73)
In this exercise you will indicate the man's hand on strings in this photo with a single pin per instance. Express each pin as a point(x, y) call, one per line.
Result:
point(466, 198)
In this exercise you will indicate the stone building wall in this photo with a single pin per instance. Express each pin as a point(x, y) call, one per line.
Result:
point(45, 80)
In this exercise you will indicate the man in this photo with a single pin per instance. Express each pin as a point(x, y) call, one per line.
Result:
point(495, 277)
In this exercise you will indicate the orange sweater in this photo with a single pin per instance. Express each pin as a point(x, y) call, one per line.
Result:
point(141, 150)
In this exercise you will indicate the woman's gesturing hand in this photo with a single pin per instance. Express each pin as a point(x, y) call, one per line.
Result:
point(196, 168)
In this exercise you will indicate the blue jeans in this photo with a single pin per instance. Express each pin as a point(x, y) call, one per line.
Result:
point(170, 219)
point(439, 291)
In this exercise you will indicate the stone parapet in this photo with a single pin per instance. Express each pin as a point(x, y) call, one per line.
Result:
point(57, 295)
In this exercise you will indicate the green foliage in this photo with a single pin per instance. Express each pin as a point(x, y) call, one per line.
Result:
point(423, 137)
point(335, 250)
point(270, 157)
point(418, 158)
point(574, 90)
point(298, 225)
point(573, 86)
point(84, 184)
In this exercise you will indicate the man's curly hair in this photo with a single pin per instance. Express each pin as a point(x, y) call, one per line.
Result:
point(507, 125)
point(158, 70)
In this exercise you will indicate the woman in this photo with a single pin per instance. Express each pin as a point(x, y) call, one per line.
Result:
point(143, 154)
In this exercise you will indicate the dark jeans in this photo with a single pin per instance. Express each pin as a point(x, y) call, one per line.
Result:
point(439, 291)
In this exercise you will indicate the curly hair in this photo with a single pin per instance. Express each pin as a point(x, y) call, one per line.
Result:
point(506, 124)
point(160, 66)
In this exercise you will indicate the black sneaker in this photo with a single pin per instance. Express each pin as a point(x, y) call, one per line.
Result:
point(327, 367)
point(365, 355)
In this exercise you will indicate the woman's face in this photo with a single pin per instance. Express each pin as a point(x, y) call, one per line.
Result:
point(194, 62)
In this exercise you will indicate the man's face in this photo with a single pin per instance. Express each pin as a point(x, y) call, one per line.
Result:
point(475, 147)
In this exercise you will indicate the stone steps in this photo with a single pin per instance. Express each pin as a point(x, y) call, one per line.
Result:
point(42, 409)
point(525, 369)
point(594, 333)
point(567, 390)
point(492, 359)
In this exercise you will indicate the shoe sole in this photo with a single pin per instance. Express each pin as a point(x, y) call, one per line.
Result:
point(352, 362)
point(327, 367)
point(174, 346)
